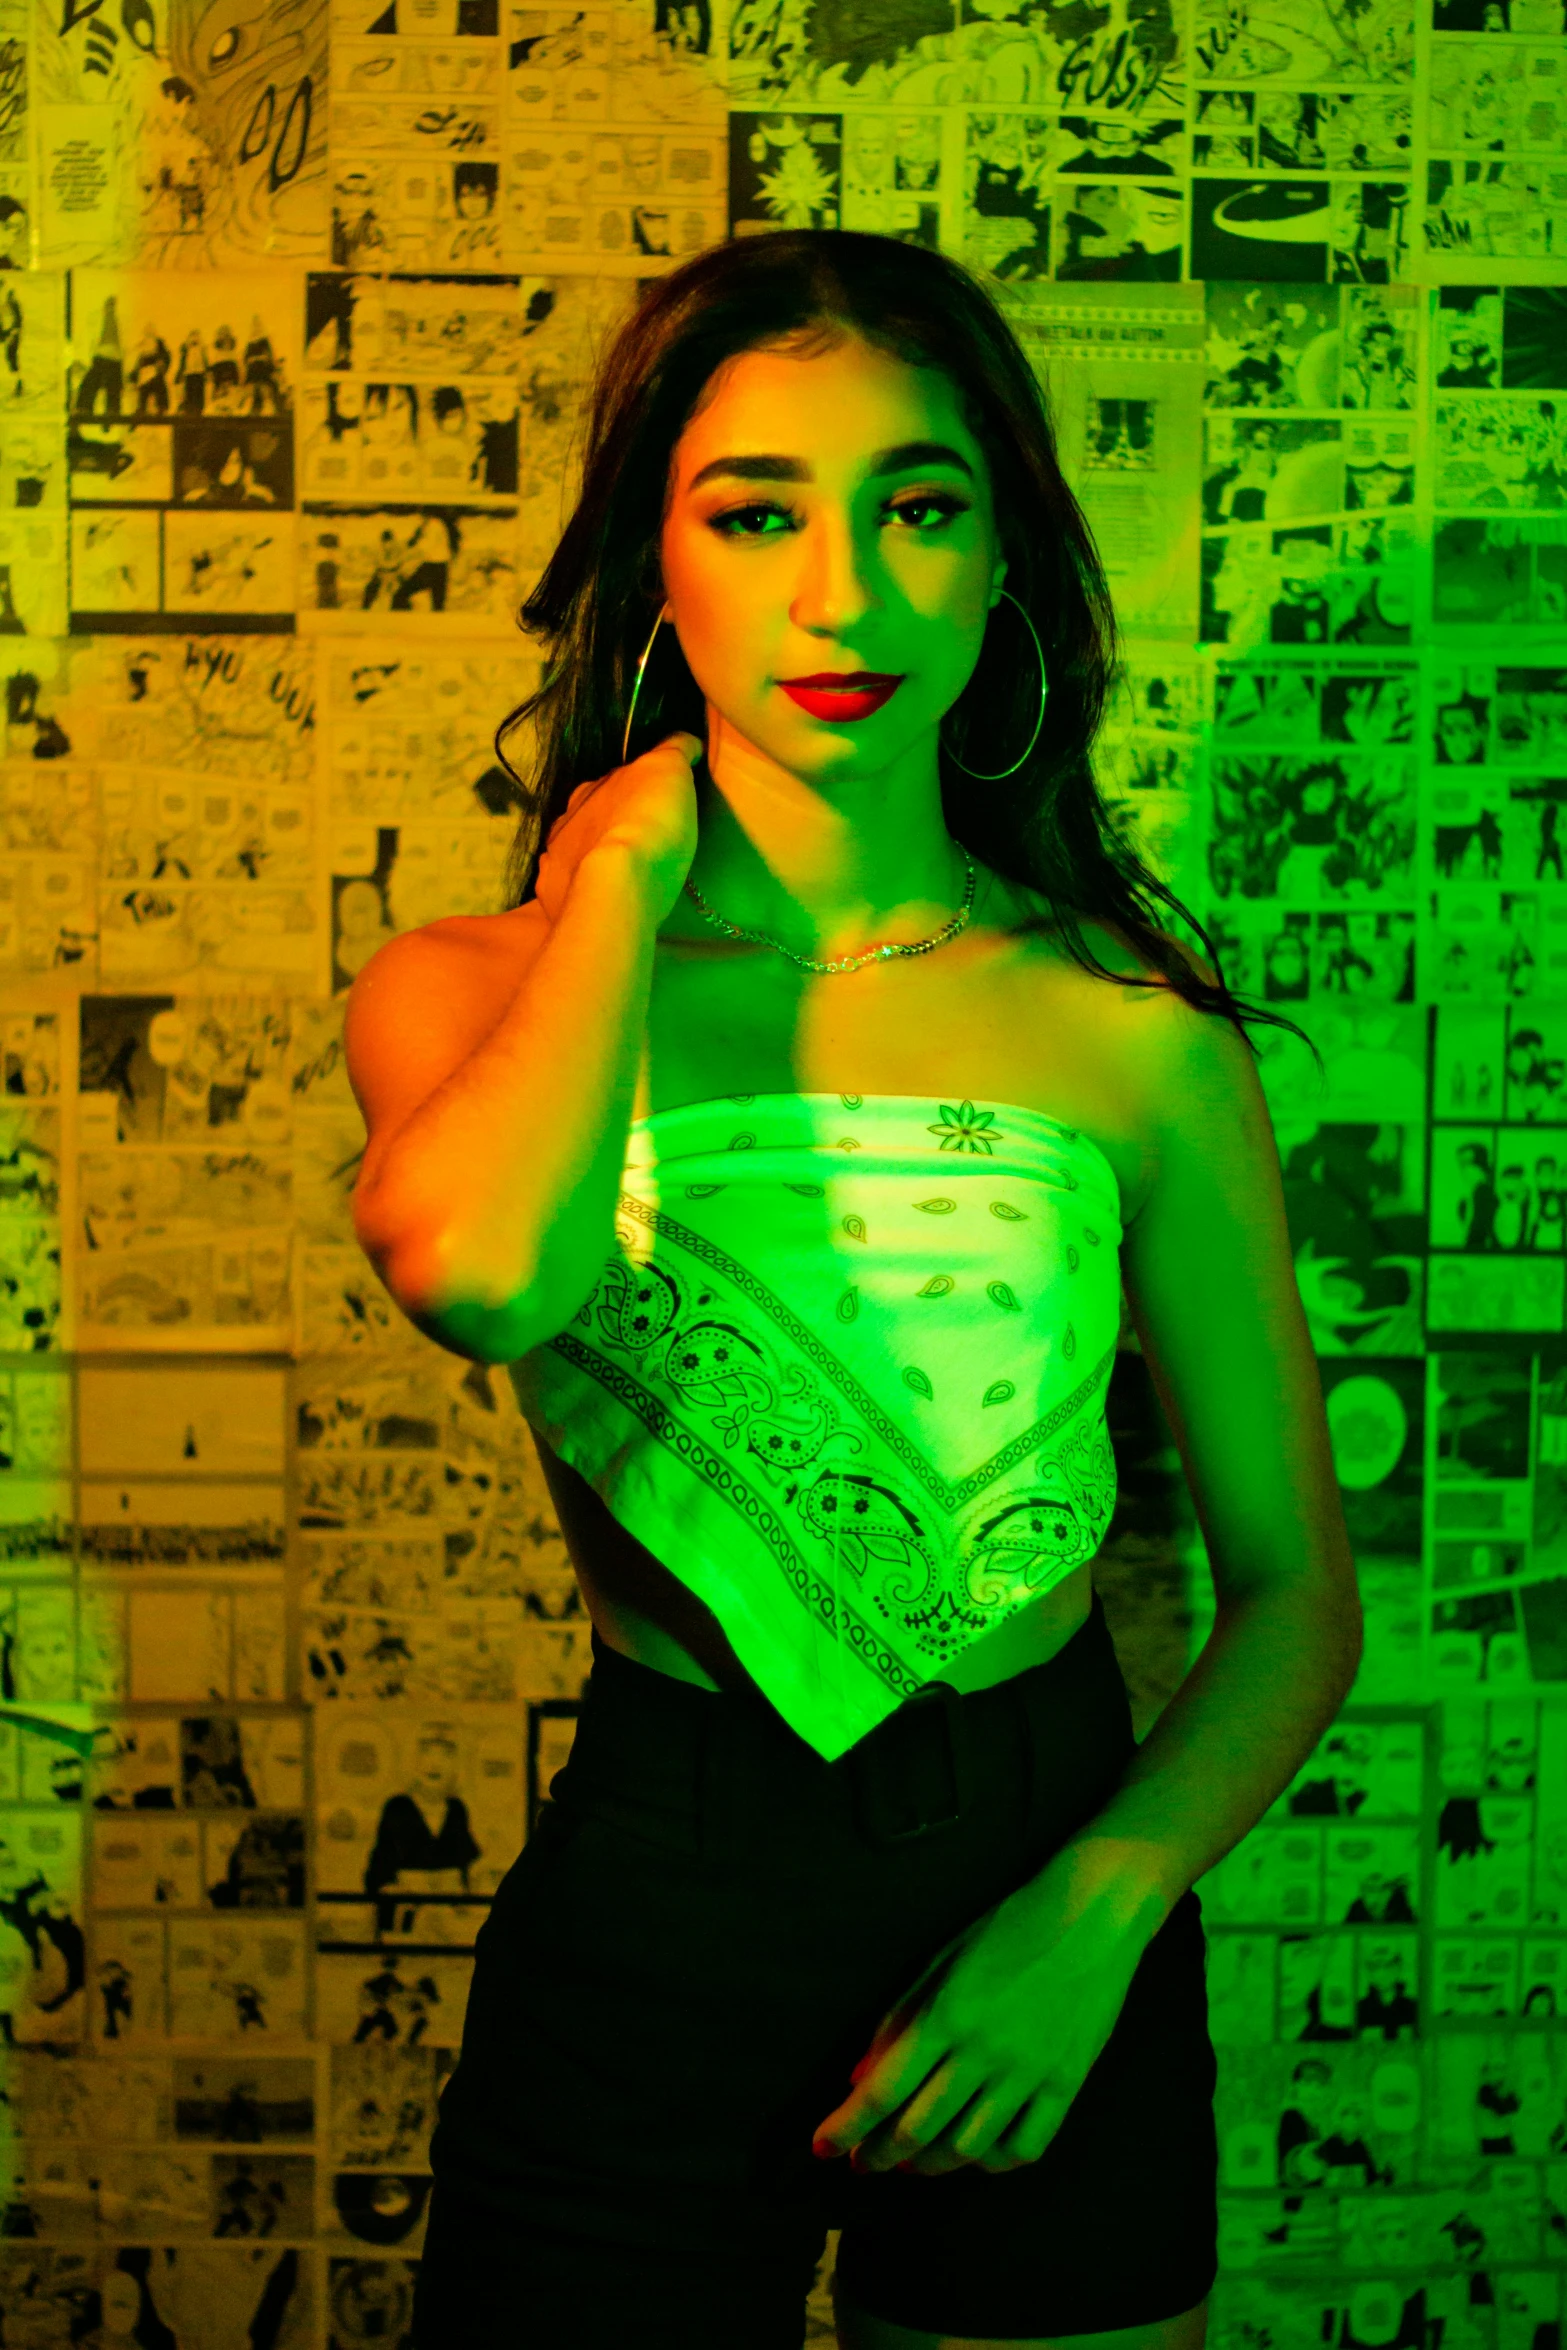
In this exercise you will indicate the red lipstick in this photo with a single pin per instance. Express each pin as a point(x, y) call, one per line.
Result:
point(841, 696)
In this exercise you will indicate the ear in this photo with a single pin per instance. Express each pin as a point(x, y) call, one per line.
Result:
point(997, 576)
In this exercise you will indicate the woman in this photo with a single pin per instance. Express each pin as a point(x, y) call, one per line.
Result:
point(854, 1854)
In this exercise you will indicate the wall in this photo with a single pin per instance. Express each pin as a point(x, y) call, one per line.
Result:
point(295, 316)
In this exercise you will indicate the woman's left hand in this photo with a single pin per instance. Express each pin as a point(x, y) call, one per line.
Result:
point(981, 2057)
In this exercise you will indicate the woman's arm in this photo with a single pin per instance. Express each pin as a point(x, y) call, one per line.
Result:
point(979, 2061)
point(1209, 1277)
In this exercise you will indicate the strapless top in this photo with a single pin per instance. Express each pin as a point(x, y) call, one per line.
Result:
point(844, 1375)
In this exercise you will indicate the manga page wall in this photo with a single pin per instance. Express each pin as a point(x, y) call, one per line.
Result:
point(297, 307)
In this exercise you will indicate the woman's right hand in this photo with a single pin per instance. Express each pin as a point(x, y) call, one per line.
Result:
point(647, 807)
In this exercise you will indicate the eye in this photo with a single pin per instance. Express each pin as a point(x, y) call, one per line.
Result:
point(941, 502)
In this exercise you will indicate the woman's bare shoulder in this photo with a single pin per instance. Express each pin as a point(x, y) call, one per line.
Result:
point(1153, 1041)
point(1029, 912)
point(447, 976)
point(469, 946)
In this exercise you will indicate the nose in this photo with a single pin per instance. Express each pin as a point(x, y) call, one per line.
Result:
point(834, 588)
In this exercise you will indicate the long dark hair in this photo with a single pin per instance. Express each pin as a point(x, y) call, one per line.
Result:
point(1045, 825)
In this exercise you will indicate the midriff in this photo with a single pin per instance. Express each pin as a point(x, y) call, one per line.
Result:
point(640, 1608)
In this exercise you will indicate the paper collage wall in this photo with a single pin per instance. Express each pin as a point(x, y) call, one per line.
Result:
point(297, 304)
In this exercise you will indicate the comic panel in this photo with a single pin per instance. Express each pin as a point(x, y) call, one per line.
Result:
point(1007, 190)
point(392, 877)
point(1495, 2095)
point(1341, 827)
point(36, 1417)
point(370, 2300)
point(893, 182)
point(1338, 231)
point(43, 1966)
point(136, 570)
point(384, 2104)
point(624, 200)
point(184, 1238)
point(31, 325)
point(1478, 213)
point(48, 917)
point(207, 884)
point(526, 156)
point(162, 1069)
point(1502, 1059)
point(391, 1998)
point(433, 203)
point(424, 1809)
point(178, 149)
point(1503, 454)
point(225, 1419)
point(1490, 821)
point(1123, 372)
point(418, 1486)
point(181, 1643)
point(1376, 1423)
point(1503, 823)
point(30, 1179)
point(1311, 583)
point(1286, 41)
point(1332, 2122)
point(1497, 1189)
point(1392, 2243)
point(1355, 1199)
point(1298, 1987)
point(1118, 231)
point(451, 567)
point(180, 452)
point(250, 2100)
point(1148, 759)
point(1496, 1612)
point(1485, 944)
point(409, 440)
point(1046, 57)
point(409, 731)
point(1274, 351)
point(386, 2207)
point(1507, 103)
point(227, 2297)
point(228, 1981)
point(32, 572)
point(393, 326)
point(38, 1624)
point(185, 1247)
point(201, 1762)
point(238, 708)
point(32, 459)
point(1333, 130)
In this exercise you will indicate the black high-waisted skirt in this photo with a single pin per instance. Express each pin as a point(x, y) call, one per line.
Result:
point(680, 1973)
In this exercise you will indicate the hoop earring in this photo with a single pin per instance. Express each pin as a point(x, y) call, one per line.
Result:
point(637, 688)
point(1044, 695)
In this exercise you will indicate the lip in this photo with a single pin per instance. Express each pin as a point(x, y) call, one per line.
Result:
point(840, 705)
point(863, 679)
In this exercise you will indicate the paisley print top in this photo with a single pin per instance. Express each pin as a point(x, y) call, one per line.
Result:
point(844, 1374)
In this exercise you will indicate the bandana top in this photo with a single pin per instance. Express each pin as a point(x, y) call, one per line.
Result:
point(844, 1375)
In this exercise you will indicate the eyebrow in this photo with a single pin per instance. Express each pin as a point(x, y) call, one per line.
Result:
point(898, 459)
